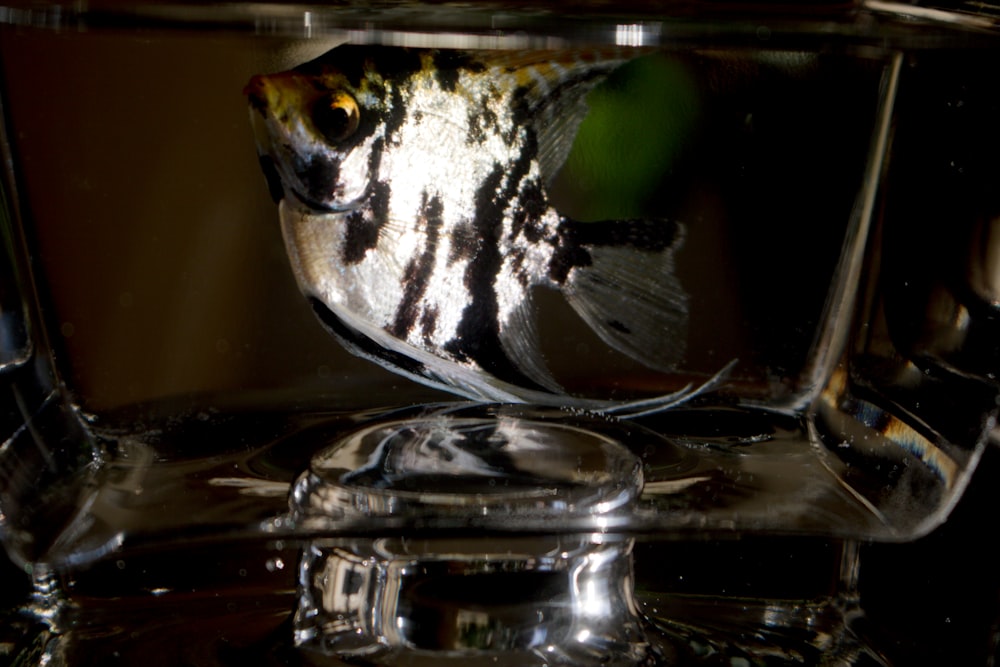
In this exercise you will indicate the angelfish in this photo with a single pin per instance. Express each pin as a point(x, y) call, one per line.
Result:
point(412, 191)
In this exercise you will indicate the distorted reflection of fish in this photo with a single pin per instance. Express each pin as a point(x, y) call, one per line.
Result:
point(412, 189)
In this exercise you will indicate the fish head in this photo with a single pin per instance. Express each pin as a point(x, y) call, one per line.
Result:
point(319, 130)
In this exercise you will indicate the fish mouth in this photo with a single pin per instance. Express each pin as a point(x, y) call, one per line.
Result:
point(256, 94)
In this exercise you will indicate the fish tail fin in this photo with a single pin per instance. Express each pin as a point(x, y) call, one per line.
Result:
point(623, 284)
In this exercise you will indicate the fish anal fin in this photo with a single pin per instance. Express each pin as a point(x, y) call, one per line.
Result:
point(521, 342)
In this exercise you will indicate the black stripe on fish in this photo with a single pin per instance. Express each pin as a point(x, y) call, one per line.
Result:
point(482, 122)
point(527, 216)
point(395, 113)
point(363, 229)
point(567, 256)
point(320, 173)
point(275, 187)
point(639, 233)
point(464, 242)
point(428, 321)
point(448, 66)
point(615, 324)
point(478, 334)
point(392, 107)
point(320, 177)
point(576, 237)
point(355, 60)
point(362, 345)
point(364, 225)
point(418, 271)
point(476, 337)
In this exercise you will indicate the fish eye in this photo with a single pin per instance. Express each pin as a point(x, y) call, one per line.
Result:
point(336, 116)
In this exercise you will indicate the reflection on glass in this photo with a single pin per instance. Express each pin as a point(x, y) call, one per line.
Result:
point(523, 601)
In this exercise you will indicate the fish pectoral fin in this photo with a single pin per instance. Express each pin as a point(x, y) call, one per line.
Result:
point(634, 302)
point(521, 343)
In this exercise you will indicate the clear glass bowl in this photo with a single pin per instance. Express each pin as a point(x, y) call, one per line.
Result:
point(179, 425)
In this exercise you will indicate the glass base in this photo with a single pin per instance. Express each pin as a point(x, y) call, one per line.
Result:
point(583, 600)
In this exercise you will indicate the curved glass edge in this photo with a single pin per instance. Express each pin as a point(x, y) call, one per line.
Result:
point(537, 25)
point(47, 455)
point(966, 13)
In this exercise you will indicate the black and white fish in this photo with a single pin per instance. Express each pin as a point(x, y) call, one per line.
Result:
point(412, 188)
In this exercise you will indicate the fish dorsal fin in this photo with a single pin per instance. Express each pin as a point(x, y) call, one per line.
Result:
point(556, 126)
point(551, 94)
point(632, 299)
